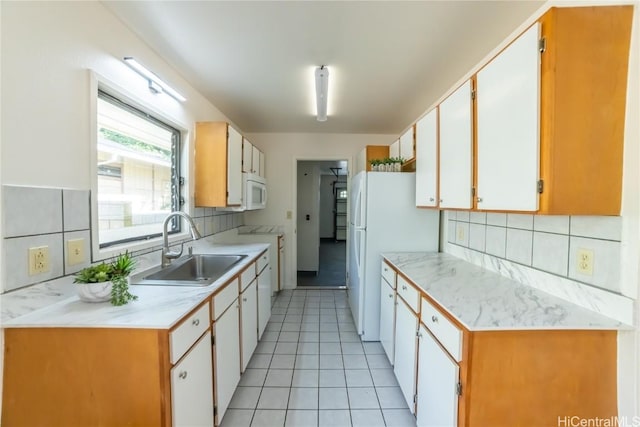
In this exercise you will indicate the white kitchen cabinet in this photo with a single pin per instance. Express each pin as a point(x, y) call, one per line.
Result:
point(407, 151)
point(280, 264)
point(394, 149)
point(387, 318)
point(405, 351)
point(262, 171)
point(264, 295)
point(427, 160)
point(192, 387)
point(508, 127)
point(437, 388)
point(218, 165)
point(456, 149)
point(249, 322)
point(227, 356)
point(255, 161)
point(247, 155)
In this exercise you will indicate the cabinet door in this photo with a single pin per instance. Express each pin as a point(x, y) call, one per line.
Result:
point(247, 153)
point(249, 317)
point(508, 127)
point(264, 299)
point(394, 149)
point(192, 387)
point(227, 362)
point(456, 149)
point(280, 268)
point(437, 401)
point(406, 145)
point(427, 160)
point(405, 351)
point(262, 162)
point(255, 161)
point(387, 318)
point(234, 168)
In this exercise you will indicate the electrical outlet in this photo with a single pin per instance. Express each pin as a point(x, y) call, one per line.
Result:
point(38, 260)
point(75, 251)
point(460, 233)
point(585, 261)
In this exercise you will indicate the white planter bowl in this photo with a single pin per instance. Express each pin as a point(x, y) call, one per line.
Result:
point(94, 292)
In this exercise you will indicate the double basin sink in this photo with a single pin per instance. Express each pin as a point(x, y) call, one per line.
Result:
point(190, 270)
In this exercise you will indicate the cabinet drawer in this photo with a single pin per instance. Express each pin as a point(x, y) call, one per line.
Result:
point(388, 274)
point(262, 262)
point(224, 298)
point(408, 293)
point(446, 332)
point(188, 331)
point(247, 276)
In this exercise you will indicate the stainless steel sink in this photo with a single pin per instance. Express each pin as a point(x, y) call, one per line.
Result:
point(192, 270)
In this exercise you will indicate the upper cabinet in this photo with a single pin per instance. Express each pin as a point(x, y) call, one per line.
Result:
point(369, 153)
point(456, 149)
point(508, 127)
point(394, 149)
point(218, 164)
point(427, 160)
point(407, 146)
point(550, 115)
point(252, 158)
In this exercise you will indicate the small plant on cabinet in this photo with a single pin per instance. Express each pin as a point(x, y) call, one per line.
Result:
point(107, 282)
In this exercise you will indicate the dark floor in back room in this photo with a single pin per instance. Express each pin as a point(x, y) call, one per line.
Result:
point(333, 256)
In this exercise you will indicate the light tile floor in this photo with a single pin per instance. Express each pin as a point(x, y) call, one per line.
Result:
point(311, 369)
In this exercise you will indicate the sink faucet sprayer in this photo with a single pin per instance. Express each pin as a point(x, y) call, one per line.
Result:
point(168, 254)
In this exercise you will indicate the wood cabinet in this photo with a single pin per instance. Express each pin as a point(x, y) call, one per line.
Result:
point(248, 322)
point(218, 165)
point(427, 160)
point(370, 152)
point(406, 351)
point(264, 292)
point(456, 149)
point(192, 387)
point(407, 144)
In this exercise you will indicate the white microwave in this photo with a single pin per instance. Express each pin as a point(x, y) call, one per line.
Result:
point(255, 192)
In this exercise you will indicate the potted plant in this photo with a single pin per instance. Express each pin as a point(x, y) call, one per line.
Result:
point(106, 282)
point(375, 164)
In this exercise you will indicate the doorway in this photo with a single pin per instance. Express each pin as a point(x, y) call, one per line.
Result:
point(321, 223)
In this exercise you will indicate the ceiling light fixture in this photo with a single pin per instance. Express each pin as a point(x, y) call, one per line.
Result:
point(322, 90)
point(156, 85)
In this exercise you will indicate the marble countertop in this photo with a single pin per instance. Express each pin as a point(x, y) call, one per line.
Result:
point(261, 229)
point(482, 300)
point(55, 303)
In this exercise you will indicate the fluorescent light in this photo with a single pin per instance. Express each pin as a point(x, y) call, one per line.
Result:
point(156, 85)
point(322, 91)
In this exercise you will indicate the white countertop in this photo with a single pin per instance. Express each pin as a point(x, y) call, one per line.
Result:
point(261, 229)
point(55, 304)
point(482, 300)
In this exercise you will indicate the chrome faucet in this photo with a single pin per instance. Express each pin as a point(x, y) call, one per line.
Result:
point(168, 254)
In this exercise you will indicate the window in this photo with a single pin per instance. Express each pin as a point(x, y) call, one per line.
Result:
point(138, 176)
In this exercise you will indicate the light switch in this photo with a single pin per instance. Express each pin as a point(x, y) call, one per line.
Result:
point(289, 214)
point(75, 251)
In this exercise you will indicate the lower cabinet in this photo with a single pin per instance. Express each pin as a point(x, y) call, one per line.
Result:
point(405, 354)
point(264, 299)
point(249, 322)
point(227, 357)
point(387, 318)
point(192, 387)
point(437, 388)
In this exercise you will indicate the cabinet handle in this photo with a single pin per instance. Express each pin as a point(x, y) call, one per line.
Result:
point(244, 299)
point(479, 199)
point(386, 269)
point(441, 200)
point(431, 199)
point(183, 374)
point(195, 322)
point(264, 258)
point(390, 295)
point(404, 288)
point(434, 319)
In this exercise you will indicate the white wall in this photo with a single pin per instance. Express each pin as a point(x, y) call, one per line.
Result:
point(282, 150)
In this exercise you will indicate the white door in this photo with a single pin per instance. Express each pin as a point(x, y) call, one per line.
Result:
point(508, 124)
point(249, 321)
point(227, 362)
point(280, 283)
point(437, 385)
point(427, 160)
point(264, 299)
point(387, 318)
point(456, 149)
point(308, 221)
point(247, 154)
point(405, 351)
point(234, 168)
point(406, 145)
point(192, 387)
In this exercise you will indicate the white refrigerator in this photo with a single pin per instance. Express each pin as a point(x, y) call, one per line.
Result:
point(383, 218)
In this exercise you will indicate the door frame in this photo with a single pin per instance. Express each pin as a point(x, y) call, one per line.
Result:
point(294, 207)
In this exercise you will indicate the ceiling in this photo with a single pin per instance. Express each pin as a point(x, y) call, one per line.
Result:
point(388, 60)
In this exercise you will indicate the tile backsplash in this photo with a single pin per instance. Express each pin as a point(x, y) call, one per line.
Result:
point(547, 243)
point(36, 216)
